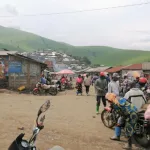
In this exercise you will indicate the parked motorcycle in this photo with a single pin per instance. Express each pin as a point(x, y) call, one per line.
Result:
point(21, 144)
point(142, 128)
point(60, 86)
point(45, 89)
point(69, 85)
point(63, 86)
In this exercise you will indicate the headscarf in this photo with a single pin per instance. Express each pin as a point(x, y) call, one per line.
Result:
point(112, 98)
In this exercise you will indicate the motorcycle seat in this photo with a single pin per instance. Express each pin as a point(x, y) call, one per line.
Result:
point(53, 86)
point(141, 111)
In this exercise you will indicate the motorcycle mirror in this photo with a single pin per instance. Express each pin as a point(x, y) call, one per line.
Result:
point(44, 107)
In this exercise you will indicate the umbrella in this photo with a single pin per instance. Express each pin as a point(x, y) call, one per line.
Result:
point(66, 71)
point(134, 74)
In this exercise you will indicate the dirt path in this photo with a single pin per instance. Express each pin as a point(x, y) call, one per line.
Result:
point(69, 122)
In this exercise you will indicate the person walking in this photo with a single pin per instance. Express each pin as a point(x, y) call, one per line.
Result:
point(79, 82)
point(137, 82)
point(100, 87)
point(87, 83)
point(125, 84)
point(107, 78)
point(94, 78)
point(113, 86)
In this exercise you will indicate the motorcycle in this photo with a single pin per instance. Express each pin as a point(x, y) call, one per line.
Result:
point(21, 144)
point(60, 86)
point(40, 89)
point(63, 86)
point(142, 127)
point(69, 85)
point(109, 116)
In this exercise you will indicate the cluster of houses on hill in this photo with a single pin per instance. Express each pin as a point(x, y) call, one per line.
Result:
point(56, 61)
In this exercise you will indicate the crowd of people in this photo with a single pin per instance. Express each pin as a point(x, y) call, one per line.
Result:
point(125, 94)
point(127, 97)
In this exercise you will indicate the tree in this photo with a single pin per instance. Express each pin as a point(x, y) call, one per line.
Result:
point(86, 60)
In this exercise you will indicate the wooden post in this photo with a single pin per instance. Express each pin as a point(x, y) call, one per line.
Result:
point(14, 80)
point(9, 81)
point(28, 74)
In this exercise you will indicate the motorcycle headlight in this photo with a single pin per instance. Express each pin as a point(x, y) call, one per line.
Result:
point(24, 144)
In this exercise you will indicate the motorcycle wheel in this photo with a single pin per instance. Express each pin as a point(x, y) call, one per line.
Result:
point(35, 92)
point(107, 119)
point(53, 92)
point(143, 140)
point(63, 87)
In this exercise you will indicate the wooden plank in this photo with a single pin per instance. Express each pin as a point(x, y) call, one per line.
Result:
point(28, 75)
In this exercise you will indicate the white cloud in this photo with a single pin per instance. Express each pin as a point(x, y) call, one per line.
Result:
point(11, 9)
point(122, 27)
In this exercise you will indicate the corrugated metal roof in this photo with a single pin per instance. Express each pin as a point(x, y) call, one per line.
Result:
point(27, 58)
point(5, 53)
point(133, 67)
point(129, 67)
point(98, 69)
point(146, 66)
point(114, 69)
point(83, 70)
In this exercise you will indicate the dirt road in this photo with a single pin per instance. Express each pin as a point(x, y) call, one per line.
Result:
point(69, 122)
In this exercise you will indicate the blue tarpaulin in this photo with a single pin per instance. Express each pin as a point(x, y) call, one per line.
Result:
point(15, 67)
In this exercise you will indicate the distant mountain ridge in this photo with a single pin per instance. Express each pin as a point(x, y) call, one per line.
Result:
point(17, 40)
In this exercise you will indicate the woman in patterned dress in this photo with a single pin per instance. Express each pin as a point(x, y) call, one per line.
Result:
point(127, 120)
point(79, 82)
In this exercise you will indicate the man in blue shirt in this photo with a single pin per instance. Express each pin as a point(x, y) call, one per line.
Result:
point(43, 80)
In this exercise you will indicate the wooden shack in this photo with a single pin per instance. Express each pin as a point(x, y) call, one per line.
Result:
point(24, 71)
point(146, 69)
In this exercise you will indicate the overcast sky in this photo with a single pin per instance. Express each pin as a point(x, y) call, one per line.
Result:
point(122, 27)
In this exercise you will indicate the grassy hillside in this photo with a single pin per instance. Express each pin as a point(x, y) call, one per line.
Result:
point(112, 56)
point(13, 39)
point(27, 41)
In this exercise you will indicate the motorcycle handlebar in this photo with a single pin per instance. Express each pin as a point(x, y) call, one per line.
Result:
point(108, 109)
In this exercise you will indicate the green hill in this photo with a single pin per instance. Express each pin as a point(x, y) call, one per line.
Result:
point(13, 39)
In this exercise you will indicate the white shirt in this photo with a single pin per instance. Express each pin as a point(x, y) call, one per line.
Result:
point(137, 97)
point(113, 87)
